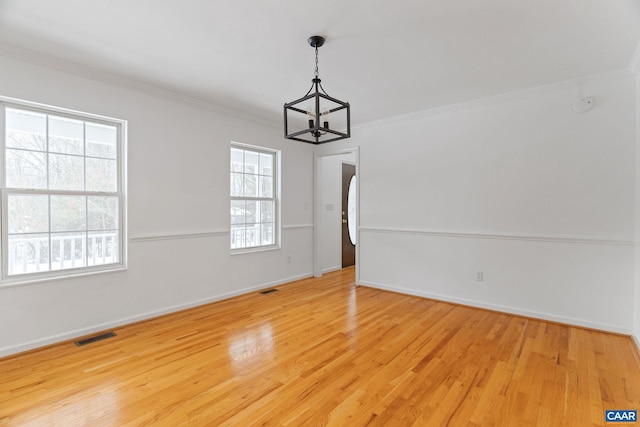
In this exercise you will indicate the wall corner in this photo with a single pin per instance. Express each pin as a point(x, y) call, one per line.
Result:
point(635, 68)
point(635, 61)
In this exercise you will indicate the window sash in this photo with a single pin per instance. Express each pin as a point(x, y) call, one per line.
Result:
point(271, 226)
point(112, 239)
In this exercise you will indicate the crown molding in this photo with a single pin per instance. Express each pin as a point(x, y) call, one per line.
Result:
point(38, 58)
point(500, 98)
point(635, 61)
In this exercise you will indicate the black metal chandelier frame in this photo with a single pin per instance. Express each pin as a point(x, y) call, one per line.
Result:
point(317, 128)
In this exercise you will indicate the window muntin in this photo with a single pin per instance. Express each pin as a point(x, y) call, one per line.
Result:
point(62, 193)
point(254, 203)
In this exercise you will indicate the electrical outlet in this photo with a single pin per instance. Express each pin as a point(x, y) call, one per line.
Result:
point(479, 276)
point(289, 259)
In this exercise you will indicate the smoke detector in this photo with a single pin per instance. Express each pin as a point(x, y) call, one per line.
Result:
point(583, 105)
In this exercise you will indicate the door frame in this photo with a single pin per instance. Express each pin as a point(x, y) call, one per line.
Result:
point(317, 270)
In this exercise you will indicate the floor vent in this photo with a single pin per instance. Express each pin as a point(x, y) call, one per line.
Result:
point(268, 291)
point(96, 338)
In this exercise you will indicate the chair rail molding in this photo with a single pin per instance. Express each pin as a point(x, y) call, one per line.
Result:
point(592, 240)
point(137, 238)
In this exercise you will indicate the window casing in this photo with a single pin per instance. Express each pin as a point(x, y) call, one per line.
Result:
point(63, 198)
point(254, 191)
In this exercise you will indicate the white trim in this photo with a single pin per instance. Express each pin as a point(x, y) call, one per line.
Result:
point(502, 309)
point(635, 61)
point(331, 269)
point(69, 274)
point(255, 249)
point(120, 193)
point(317, 271)
point(276, 197)
point(502, 236)
point(177, 235)
point(29, 56)
point(39, 107)
point(297, 226)
point(636, 340)
point(38, 58)
point(65, 336)
point(499, 98)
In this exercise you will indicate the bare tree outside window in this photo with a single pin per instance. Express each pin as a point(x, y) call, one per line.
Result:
point(253, 197)
point(63, 192)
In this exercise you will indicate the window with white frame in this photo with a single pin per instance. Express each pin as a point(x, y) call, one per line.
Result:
point(254, 197)
point(62, 192)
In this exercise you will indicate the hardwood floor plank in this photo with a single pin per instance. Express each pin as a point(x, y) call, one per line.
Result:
point(324, 352)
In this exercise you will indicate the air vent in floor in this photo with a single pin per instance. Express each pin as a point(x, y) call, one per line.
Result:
point(268, 291)
point(96, 338)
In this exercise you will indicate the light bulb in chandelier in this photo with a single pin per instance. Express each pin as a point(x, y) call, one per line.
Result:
point(325, 117)
point(311, 117)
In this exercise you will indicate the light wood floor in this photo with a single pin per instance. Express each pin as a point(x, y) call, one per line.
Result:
point(322, 352)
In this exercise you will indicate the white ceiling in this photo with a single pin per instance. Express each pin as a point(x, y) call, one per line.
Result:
point(385, 57)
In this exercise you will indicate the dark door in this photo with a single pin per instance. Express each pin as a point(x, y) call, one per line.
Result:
point(348, 246)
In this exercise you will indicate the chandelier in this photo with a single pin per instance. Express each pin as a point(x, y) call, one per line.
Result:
point(317, 118)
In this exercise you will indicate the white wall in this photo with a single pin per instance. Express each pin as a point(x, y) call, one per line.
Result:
point(539, 198)
point(330, 185)
point(178, 209)
point(520, 187)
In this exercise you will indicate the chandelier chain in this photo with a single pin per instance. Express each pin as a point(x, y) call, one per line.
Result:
point(316, 73)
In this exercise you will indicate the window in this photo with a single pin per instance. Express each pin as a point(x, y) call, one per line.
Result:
point(62, 193)
point(254, 197)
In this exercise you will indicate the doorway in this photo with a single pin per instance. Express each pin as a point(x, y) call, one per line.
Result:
point(328, 225)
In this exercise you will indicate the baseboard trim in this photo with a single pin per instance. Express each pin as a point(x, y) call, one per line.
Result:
point(71, 335)
point(503, 309)
point(331, 269)
point(636, 340)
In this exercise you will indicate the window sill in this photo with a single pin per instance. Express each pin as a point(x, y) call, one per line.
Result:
point(254, 250)
point(31, 279)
